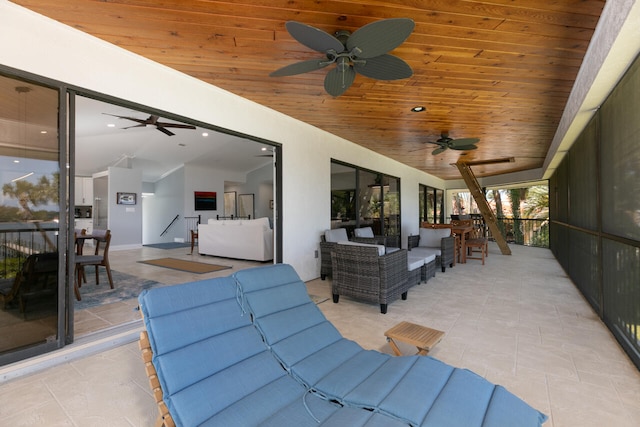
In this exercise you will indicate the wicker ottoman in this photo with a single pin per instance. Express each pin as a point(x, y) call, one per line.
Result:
point(429, 268)
point(415, 265)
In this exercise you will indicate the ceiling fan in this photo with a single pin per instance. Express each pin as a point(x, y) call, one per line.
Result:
point(363, 52)
point(445, 142)
point(153, 121)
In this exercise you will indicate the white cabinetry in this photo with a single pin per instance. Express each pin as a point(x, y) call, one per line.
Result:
point(84, 191)
point(87, 224)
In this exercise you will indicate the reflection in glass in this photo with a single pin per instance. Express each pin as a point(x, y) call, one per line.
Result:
point(29, 215)
point(361, 198)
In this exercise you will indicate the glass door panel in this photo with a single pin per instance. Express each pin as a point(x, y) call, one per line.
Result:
point(29, 218)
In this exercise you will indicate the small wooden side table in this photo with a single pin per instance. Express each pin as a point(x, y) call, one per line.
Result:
point(422, 337)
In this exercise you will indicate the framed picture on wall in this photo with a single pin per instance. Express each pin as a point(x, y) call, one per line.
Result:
point(205, 200)
point(126, 198)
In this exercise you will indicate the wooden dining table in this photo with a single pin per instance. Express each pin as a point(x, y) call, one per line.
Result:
point(463, 231)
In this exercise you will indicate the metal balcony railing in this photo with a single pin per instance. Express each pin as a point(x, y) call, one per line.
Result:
point(523, 231)
point(19, 240)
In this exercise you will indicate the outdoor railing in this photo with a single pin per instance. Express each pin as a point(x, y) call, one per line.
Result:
point(527, 232)
point(19, 240)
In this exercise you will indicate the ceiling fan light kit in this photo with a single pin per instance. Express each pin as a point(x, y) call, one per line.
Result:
point(363, 52)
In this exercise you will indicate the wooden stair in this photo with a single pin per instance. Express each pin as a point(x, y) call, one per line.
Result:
point(485, 210)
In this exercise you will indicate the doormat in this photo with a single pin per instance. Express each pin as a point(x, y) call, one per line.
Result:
point(188, 266)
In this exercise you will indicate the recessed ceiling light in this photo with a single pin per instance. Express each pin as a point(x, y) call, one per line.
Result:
point(16, 161)
point(43, 132)
point(205, 134)
point(418, 109)
point(264, 149)
point(111, 125)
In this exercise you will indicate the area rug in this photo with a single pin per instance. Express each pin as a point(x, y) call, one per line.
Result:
point(188, 266)
point(125, 286)
point(168, 245)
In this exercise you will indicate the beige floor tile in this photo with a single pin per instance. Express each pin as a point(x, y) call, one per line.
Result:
point(518, 321)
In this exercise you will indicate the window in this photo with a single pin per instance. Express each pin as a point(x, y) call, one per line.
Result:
point(364, 198)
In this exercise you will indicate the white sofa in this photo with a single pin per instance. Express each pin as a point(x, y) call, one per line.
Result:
point(242, 239)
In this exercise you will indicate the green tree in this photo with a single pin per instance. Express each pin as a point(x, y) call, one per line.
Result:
point(28, 194)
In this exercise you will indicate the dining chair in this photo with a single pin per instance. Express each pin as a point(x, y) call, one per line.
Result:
point(79, 239)
point(194, 237)
point(100, 258)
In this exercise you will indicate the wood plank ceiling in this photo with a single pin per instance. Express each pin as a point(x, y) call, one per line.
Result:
point(498, 70)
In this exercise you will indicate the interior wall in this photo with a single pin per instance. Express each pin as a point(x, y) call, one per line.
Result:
point(199, 178)
point(162, 207)
point(125, 221)
point(259, 183)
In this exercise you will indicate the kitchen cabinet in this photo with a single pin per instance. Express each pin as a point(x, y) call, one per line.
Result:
point(84, 191)
point(87, 224)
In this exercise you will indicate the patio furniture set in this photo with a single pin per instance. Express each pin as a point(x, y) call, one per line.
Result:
point(365, 267)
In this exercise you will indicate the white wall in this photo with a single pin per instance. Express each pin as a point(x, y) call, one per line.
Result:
point(47, 48)
point(162, 207)
point(125, 221)
point(259, 183)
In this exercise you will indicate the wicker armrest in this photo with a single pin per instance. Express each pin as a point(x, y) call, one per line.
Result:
point(413, 241)
point(325, 258)
point(448, 252)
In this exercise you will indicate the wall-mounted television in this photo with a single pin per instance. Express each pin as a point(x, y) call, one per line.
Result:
point(205, 200)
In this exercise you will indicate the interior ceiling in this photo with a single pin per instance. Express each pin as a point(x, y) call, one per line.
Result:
point(498, 70)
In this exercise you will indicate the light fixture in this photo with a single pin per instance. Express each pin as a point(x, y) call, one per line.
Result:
point(22, 177)
point(418, 109)
point(111, 125)
point(205, 134)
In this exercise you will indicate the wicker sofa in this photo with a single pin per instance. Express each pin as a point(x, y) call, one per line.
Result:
point(368, 272)
point(252, 349)
point(434, 241)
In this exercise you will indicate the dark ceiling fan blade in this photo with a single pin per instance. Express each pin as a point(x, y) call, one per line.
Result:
point(384, 67)
point(313, 38)
point(380, 37)
point(174, 125)
point(463, 141)
point(141, 125)
point(143, 122)
point(438, 150)
point(165, 131)
point(300, 67)
point(464, 147)
point(338, 81)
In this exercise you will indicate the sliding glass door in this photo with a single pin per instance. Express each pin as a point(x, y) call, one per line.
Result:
point(31, 286)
